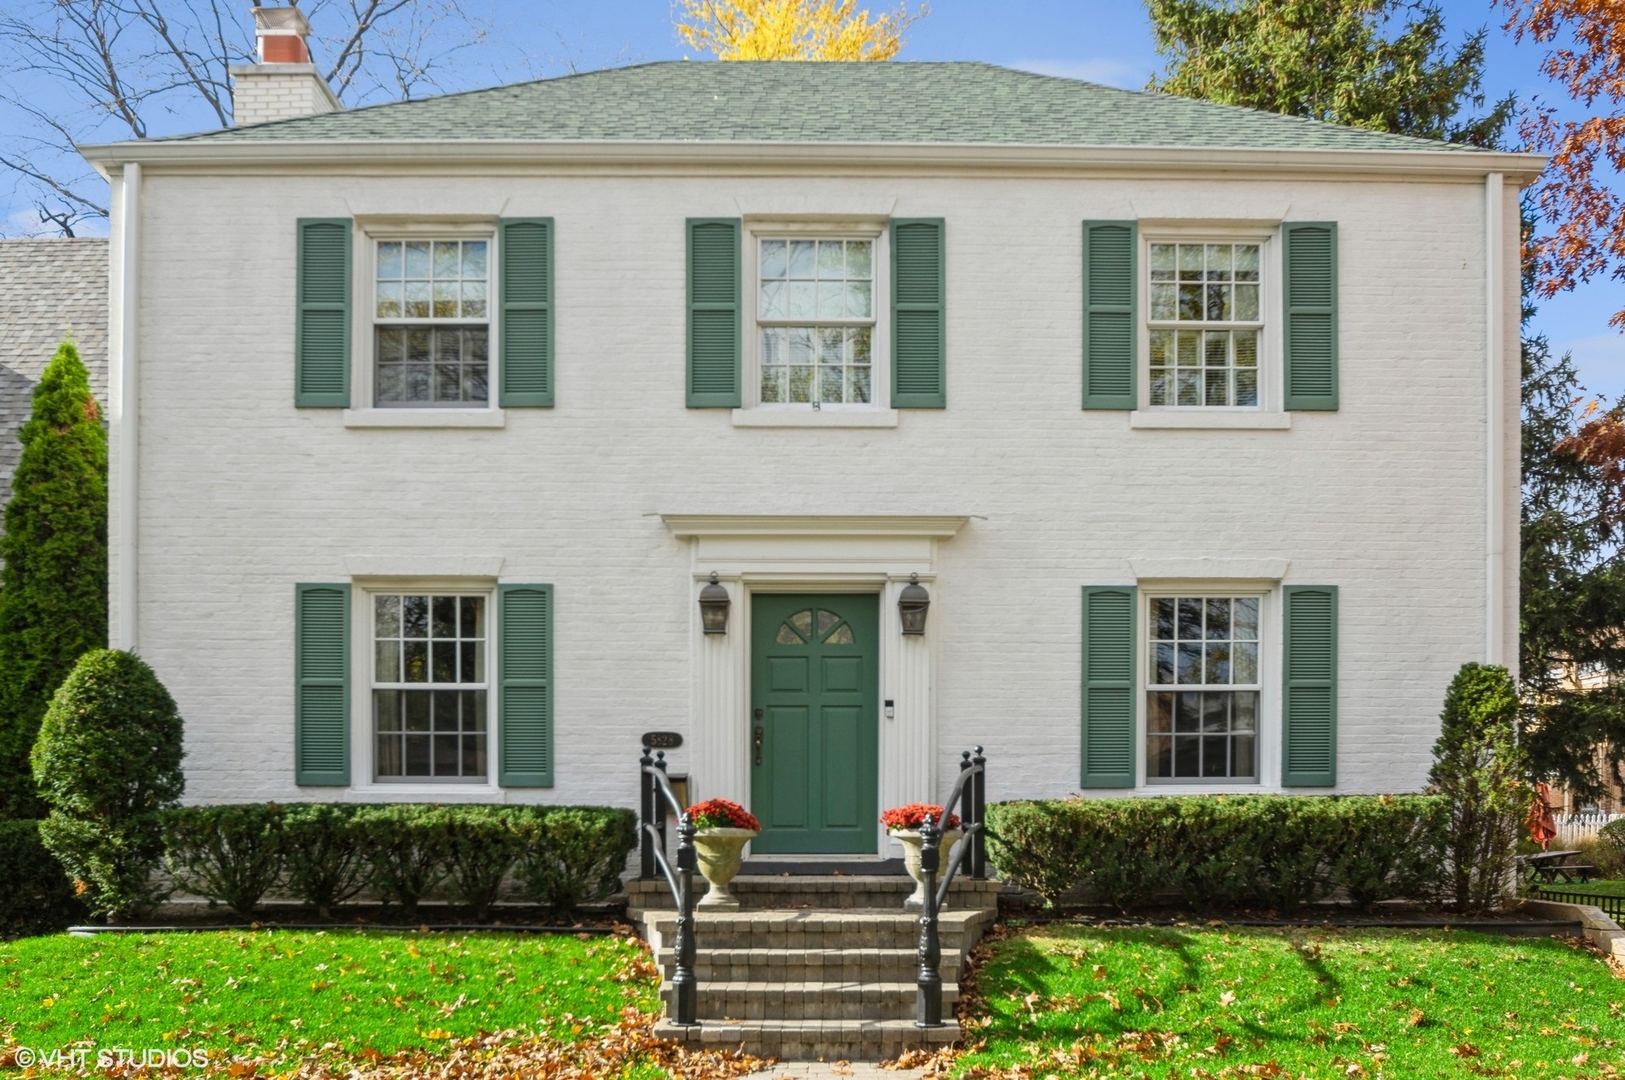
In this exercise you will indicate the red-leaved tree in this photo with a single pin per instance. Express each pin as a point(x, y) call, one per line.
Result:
point(1585, 215)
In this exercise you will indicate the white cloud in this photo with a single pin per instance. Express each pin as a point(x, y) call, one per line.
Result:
point(1111, 70)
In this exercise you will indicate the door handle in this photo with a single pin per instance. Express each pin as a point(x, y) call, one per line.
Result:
point(756, 742)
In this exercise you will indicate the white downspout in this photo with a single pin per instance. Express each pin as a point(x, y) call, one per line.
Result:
point(125, 418)
point(1494, 419)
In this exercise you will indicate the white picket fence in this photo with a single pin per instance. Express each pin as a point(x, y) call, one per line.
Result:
point(1572, 828)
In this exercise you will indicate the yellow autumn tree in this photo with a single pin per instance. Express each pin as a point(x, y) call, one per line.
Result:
point(793, 29)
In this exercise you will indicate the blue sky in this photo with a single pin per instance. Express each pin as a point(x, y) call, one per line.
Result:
point(1101, 40)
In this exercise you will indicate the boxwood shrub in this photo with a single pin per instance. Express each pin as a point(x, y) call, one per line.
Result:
point(574, 855)
point(327, 853)
point(230, 854)
point(1221, 852)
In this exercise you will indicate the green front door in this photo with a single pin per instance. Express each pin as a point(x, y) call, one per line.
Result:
point(814, 733)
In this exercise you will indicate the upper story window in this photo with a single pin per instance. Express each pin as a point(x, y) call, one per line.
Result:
point(1205, 324)
point(1202, 688)
point(815, 316)
point(431, 323)
point(430, 685)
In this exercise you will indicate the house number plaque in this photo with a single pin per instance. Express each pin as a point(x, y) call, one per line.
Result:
point(661, 740)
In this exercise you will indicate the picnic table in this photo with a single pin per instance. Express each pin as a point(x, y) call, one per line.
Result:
point(1547, 866)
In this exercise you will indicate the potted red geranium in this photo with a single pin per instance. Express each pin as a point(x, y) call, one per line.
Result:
point(722, 828)
point(904, 822)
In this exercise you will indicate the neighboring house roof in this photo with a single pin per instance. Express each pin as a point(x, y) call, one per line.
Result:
point(49, 290)
point(784, 102)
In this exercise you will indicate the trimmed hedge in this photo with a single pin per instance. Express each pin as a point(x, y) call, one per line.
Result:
point(37, 897)
point(327, 853)
point(1219, 852)
point(574, 855)
point(230, 854)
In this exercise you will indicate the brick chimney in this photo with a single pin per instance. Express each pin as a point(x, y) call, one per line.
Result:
point(284, 84)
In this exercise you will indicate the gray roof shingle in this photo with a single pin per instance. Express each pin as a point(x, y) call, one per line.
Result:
point(779, 102)
point(49, 290)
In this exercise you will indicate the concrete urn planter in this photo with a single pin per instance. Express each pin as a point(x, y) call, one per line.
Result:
point(719, 852)
point(912, 845)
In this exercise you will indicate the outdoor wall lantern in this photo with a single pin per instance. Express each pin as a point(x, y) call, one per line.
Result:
point(912, 603)
point(714, 607)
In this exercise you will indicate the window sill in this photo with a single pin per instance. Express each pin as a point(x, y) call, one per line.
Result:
point(1216, 420)
point(408, 792)
point(798, 418)
point(425, 418)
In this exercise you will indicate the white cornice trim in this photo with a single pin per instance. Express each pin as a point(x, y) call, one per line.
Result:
point(463, 155)
point(938, 526)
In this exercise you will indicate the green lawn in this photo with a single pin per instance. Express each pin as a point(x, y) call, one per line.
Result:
point(1215, 1002)
point(275, 993)
point(1596, 888)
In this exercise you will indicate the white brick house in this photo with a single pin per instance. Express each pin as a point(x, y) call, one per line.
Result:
point(432, 421)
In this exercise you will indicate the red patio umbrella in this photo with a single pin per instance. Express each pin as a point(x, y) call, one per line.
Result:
point(1541, 824)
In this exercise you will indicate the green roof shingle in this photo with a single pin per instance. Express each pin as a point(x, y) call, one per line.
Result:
point(783, 102)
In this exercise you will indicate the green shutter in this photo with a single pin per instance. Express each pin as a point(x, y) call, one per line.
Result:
point(322, 314)
point(1110, 254)
point(525, 351)
point(1108, 685)
point(713, 313)
point(321, 675)
point(919, 331)
point(1310, 261)
point(1309, 694)
point(525, 685)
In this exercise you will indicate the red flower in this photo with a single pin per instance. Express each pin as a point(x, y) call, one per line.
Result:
point(912, 816)
point(722, 814)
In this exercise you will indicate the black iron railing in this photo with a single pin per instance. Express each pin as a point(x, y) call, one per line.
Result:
point(1612, 906)
point(657, 797)
point(971, 786)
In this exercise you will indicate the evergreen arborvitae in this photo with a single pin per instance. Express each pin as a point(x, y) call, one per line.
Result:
point(1477, 766)
point(53, 584)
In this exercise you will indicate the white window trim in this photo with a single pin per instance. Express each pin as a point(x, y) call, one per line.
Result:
point(754, 413)
point(364, 784)
point(363, 319)
point(1268, 744)
point(1268, 414)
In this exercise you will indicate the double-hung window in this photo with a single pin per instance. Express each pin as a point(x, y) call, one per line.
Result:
point(431, 323)
point(1205, 324)
point(430, 687)
point(1202, 688)
point(815, 316)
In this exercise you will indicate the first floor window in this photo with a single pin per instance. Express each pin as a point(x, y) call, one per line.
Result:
point(431, 323)
point(1202, 689)
point(815, 314)
point(430, 686)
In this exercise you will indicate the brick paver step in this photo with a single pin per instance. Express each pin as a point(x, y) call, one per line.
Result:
point(838, 1000)
point(814, 968)
point(816, 929)
point(766, 892)
point(804, 1040)
point(801, 965)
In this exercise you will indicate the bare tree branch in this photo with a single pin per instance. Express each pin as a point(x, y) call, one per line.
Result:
point(79, 71)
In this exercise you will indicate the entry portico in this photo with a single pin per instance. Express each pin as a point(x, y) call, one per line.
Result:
point(758, 554)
